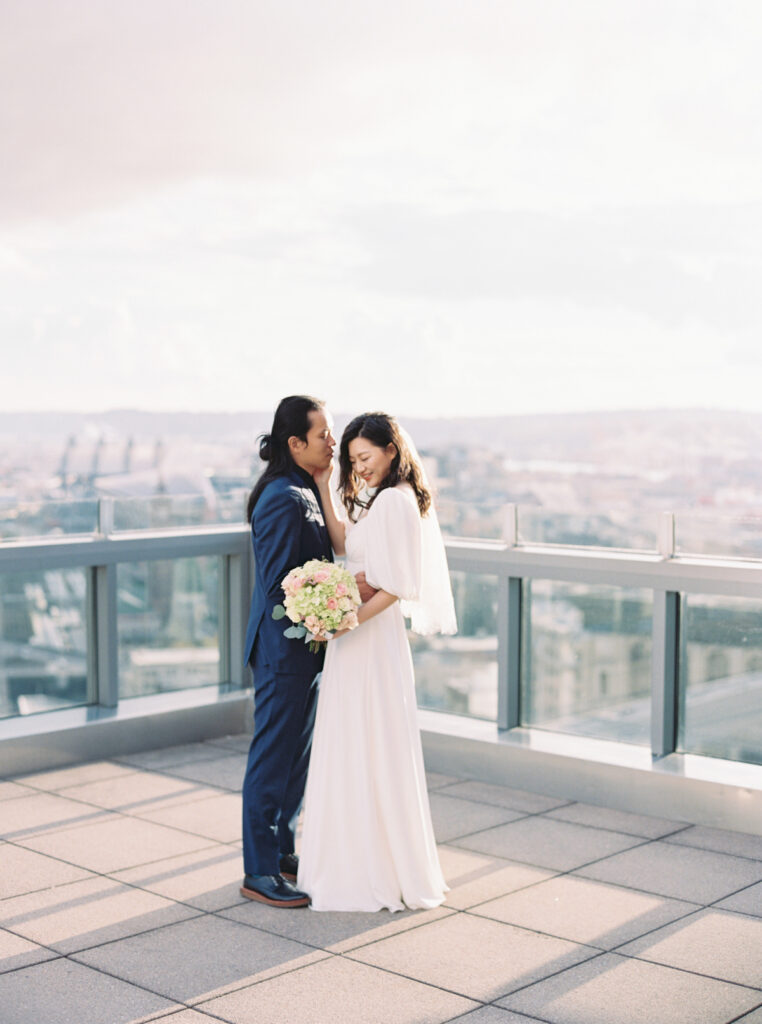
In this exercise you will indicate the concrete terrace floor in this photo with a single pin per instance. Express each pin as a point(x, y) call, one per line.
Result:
point(119, 903)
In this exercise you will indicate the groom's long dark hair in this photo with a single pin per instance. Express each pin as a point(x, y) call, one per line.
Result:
point(292, 419)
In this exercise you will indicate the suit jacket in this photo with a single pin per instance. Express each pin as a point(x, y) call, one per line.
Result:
point(287, 529)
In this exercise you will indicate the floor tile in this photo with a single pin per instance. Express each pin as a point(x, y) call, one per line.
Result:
point(164, 757)
point(713, 942)
point(504, 796)
point(755, 1017)
point(12, 791)
point(747, 901)
point(240, 742)
point(678, 871)
point(435, 780)
point(27, 871)
point(493, 1015)
point(113, 845)
point(617, 990)
point(82, 914)
point(209, 879)
point(185, 1017)
point(64, 992)
point(617, 821)
point(216, 817)
point(199, 958)
point(74, 775)
point(138, 793)
point(224, 772)
point(739, 844)
point(339, 991)
point(453, 817)
point(44, 812)
point(546, 843)
point(336, 932)
point(476, 877)
point(16, 952)
point(475, 957)
point(585, 911)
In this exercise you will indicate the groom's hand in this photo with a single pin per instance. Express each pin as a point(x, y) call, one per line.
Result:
point(366, 590)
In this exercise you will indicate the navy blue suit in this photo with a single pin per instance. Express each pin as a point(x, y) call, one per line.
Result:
point(287, 529)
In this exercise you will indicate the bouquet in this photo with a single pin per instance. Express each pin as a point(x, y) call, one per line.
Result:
point(321, 598)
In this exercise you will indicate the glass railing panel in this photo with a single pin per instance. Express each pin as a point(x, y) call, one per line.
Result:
point(720, 536)
point(458, 673)
point(43, 641)
point(168, 625)
point(175, 511)
point(586, 660)
point(624, 530)
point(28, 520)
point(231, 506)
point(721, 677)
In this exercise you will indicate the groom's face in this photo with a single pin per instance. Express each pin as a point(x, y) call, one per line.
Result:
point(317, 452)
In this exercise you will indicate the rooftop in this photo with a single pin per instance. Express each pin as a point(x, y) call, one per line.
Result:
point(119, 904)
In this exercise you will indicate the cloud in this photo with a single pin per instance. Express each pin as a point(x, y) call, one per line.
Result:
point(104, 102)
point(422, 205)
point(672, 264)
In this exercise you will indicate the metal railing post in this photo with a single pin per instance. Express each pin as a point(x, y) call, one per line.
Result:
point(664, 672)
point(508, 651)
point(105, 639)
point(237, 608)
point(511, 524)
point(223, 618)
point(106, 636)
point(105, 516)
point(503, 653)
point(511, 717)
point(666, 535)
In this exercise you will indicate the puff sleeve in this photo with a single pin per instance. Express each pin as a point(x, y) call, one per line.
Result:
point(393, 544)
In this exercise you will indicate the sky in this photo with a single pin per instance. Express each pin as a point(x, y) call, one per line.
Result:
point(435, 208)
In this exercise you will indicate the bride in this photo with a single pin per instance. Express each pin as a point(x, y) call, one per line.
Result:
point(367, 839)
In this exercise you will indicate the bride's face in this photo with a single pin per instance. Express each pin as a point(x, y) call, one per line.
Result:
point(370, 463)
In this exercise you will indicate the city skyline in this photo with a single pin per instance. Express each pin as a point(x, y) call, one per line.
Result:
point(442, 211)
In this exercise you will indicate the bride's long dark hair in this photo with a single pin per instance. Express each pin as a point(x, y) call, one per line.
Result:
point(292, 419)
point(380, 430)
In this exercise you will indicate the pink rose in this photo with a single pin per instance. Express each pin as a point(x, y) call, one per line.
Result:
point(312, 622)
point(320, 577)
point(340, 590)
point(331, 603)
point(292, 583)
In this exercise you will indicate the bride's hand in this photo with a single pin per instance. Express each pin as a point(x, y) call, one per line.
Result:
point(323, 476)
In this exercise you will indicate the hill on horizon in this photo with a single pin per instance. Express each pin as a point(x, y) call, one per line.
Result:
point(566, 437)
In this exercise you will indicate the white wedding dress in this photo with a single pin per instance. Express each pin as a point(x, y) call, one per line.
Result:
point(367, 839)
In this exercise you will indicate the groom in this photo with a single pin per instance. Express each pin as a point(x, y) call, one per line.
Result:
point(287, 530)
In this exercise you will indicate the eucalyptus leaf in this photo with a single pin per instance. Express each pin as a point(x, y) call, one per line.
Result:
point(294, 632)
point(279, 611)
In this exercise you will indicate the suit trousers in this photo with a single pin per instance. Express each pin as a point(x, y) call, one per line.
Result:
point(276, 773)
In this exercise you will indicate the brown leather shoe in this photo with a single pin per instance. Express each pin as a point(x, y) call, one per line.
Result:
point(273, 890)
